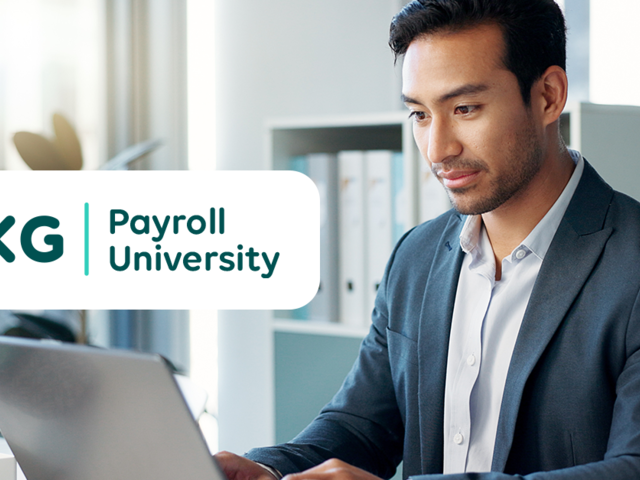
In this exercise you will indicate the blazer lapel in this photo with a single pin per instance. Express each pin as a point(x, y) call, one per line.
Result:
point(575, 248)
point(435, 324)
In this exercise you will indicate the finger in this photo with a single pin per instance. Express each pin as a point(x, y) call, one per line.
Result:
point(331, 469)
point(236, 467)
point(334, 474)
point(327, 466)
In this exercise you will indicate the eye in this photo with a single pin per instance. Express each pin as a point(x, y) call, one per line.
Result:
point(418, 116)
point(466, 109)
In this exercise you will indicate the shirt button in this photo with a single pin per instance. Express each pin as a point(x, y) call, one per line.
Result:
point(471, 360)
point(520, 254)
point(458, 438)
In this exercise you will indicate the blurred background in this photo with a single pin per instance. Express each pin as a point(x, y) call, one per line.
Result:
point(205, 77)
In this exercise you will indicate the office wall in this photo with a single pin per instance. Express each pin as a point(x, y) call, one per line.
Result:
point(285, 58)
point(292, 58)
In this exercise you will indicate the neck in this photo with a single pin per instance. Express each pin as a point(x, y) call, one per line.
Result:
point(508, 225)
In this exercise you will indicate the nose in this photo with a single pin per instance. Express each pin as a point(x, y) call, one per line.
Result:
point(440, 141)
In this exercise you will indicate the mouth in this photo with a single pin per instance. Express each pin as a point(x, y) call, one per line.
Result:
point(455, 179)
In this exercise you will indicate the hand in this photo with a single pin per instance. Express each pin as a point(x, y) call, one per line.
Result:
point(236, 467)
point(333, 469)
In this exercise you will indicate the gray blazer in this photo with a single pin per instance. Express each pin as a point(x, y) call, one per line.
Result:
point(572, 397)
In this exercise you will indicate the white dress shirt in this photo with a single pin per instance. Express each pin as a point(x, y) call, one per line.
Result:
point(487, 315)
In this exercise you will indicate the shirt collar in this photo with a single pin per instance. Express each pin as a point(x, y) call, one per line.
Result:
point(470, 234)
point(539, 240)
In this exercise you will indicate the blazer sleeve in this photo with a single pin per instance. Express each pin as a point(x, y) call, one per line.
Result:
point(362, 425)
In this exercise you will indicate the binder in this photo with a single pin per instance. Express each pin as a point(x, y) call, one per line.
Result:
point(379, 225)
point(351, 175)
point(323, 170)
point(298, 163)
point(399, 199)
point(433, 198)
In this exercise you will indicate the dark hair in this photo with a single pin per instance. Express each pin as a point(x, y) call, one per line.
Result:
point(534, 31)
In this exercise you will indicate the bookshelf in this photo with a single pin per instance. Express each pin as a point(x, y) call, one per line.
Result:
point(287, 138)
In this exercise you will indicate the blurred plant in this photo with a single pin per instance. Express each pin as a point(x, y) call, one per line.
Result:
point(63, 152)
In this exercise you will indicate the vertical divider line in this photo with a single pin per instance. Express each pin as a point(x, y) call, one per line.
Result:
point(86, 239)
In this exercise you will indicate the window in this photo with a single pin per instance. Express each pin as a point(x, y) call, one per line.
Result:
point(51, 61)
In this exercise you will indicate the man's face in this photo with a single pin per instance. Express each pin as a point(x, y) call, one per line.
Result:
point(470, 122)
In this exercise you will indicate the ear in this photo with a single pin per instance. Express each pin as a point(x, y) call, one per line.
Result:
point(550, 91)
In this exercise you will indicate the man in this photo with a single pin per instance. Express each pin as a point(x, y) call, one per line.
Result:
point(506, 334)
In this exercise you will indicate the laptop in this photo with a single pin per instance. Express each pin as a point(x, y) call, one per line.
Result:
point(72, 412)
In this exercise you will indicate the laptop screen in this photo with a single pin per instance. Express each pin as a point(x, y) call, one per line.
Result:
point(73, 412)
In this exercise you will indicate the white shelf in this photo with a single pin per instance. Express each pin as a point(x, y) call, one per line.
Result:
point(318, 328)
point(386, 118)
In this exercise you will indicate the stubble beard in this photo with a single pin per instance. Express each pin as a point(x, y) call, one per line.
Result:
point(525, 160)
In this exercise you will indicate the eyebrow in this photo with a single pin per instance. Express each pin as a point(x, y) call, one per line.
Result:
point(468, 89)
